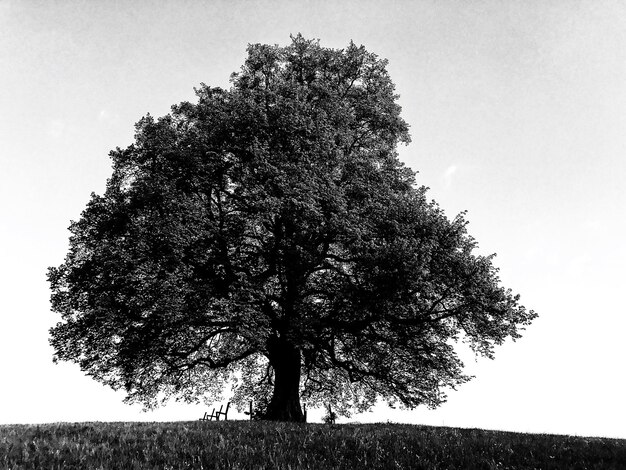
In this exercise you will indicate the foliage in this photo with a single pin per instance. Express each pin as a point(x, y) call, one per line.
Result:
point(263, 445)
point(269, 236)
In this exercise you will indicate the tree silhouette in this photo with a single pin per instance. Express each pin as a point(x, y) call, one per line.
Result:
point(269, 237)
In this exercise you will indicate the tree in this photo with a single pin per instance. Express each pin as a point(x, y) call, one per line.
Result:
point(268, 236)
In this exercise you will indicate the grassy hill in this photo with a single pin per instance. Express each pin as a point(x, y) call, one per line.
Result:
point(258, 445)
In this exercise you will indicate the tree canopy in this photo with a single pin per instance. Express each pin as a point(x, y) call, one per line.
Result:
point(268, 237)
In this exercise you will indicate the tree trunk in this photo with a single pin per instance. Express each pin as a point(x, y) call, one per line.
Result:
point(285, 360)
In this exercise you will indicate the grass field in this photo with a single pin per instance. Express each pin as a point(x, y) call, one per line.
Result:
point(259, 445)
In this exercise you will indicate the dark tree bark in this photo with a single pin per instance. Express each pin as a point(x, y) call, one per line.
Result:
point(285, 359)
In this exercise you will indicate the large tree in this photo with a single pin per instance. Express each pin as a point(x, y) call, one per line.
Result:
point(267, 236)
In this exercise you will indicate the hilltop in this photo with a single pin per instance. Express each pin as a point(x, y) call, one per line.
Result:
point(270, 445)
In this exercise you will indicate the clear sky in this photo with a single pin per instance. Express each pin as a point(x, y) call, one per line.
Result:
point(517, 114)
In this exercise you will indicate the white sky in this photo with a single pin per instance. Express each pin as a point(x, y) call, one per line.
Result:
point(517, 114)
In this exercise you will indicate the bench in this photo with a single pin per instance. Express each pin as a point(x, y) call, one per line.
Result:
point(216, 414)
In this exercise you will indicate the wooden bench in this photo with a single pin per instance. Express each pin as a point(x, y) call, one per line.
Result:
point(216, 414)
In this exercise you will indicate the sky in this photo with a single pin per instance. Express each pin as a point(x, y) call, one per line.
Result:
point(518, 116)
